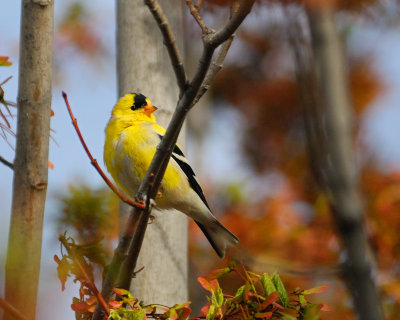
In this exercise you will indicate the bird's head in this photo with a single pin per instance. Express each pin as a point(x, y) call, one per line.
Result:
point(134, 106)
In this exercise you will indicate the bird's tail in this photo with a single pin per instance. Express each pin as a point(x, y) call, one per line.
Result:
point(218, 236)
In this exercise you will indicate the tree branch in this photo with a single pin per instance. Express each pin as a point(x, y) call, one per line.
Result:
point(170, 43)
point(7, 163)
point(214, 69)
point(130, 244)
point(196, 15)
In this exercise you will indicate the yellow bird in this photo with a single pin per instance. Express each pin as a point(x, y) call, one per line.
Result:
point(132, 135)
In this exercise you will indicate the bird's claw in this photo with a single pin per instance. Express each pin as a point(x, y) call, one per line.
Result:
point(151, 219)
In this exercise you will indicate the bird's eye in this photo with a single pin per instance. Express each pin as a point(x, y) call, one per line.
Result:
point(139, 101)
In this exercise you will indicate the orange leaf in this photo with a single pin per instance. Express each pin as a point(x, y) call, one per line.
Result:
point(4, 61)
point(204, 310)
point(266, 315)
point(325, 307)
point(218, 273)
point(209, 285)
point(80, 306)
point(270, 299)
point(115, 304)
point(50, 165)
point(121, 292)
point(318, 289)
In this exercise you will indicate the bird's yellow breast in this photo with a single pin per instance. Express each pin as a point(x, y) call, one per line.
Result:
point(128, 151)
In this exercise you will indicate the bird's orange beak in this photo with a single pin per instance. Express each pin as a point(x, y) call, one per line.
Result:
point(149, 109)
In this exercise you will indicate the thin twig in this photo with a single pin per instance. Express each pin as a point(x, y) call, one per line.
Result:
point(94, 161)
point(169, 42)
point(8, 308)
point(7, 163)
point(196, 15)
point(214, 69)
point(89, 281)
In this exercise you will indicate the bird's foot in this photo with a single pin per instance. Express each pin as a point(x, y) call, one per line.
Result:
point(151, 219)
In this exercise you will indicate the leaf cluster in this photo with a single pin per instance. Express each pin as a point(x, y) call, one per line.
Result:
point(79, 262)
point(261, 296)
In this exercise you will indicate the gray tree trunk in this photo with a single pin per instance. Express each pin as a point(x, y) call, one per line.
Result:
point(143, 66)
point(31, 156)
point(338, 163)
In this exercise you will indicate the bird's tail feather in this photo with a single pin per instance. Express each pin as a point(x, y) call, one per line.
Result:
point(218, 236)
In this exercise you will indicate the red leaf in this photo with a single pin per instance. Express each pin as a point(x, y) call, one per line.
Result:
point(204, 310)
point(115, 304)
point(325, 307)
point(318, 289)
point(121, 292)
point(183, 313)
point(80, 306)
point(270, 299)
point(266, 315)
point(218, 273)
point(56, 259)
point(209, 285)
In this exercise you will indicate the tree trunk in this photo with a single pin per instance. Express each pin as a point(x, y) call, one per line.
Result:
point(143, 66)
point(31, 156)
point(338, 162)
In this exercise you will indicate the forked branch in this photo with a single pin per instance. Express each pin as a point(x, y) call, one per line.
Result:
point(132, 238)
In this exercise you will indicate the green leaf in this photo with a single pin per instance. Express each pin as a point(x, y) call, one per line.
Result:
point(302, 300)
point(219, 297)
point(211, 313)
point(124, 314)
point(311, 312)
point(267, 284)
point(288, 317)
point(283, 296)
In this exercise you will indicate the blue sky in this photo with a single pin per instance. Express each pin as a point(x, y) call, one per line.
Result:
point(92, 94)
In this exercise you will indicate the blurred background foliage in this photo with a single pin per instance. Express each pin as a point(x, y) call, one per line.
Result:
point(270, 199)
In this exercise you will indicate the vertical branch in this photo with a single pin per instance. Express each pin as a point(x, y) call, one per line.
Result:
point(31, 156)
point(339, 166)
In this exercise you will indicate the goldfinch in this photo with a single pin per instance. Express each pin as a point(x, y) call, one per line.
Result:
point(132, 135)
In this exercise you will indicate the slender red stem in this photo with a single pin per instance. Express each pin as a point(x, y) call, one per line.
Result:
point(92, 286)
point(94, 161)
point(11, 310)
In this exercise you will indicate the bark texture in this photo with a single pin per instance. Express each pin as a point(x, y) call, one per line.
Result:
point(143, 66)
point(31, 156)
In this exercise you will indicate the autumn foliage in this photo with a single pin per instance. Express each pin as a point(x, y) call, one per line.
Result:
point(260, 296)
point(288, 228)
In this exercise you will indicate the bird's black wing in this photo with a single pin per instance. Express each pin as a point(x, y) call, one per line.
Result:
point(180, 159)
